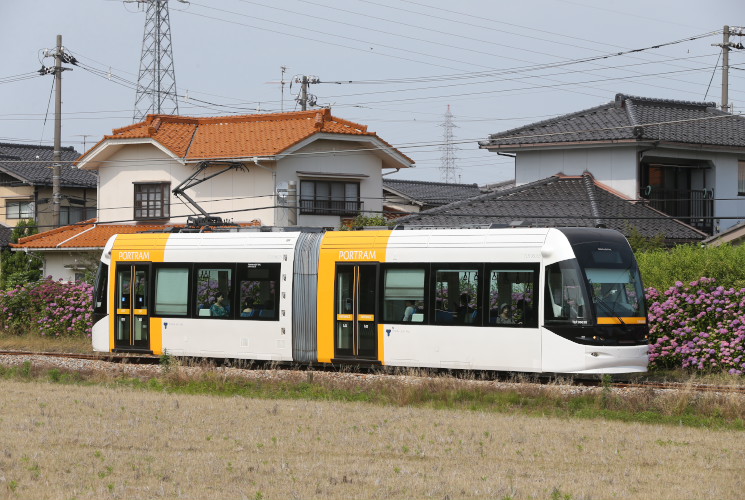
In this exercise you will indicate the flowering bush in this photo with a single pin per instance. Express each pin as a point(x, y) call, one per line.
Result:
point(698, 326)
point(48, 307)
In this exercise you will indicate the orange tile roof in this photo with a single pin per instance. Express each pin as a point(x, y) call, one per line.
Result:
point(88, 234)
point(196, 138)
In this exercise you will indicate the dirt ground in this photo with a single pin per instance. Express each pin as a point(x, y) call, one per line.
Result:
point(66, 441)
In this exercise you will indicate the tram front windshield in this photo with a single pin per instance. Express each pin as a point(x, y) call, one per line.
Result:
point(603, 281)
point(616, 292)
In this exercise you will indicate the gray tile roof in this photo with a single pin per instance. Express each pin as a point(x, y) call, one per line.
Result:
point(558, 202)
point(32, 165)
point(431, 194)
point(630, 118)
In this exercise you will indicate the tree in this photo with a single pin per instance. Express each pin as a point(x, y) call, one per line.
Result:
point(640, 243)
point(18, 268)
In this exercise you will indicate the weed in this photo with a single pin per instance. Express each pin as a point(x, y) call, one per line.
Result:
point(166, 361)
point(35, 471)
point(607, 385)
point(106, 472)
point(556, 494)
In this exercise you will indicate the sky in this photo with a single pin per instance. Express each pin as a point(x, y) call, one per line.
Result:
point(396, 66)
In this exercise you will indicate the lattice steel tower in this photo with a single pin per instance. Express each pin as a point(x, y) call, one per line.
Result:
point(449, 172)
point(156, 82)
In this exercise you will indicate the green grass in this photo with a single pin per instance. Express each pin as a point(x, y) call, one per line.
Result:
point(446, 393)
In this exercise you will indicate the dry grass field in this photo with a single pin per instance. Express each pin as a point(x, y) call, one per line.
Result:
point(63, 441)
point(42, 344)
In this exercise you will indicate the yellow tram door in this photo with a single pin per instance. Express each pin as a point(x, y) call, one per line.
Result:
point(132, 322)
point(356, 324)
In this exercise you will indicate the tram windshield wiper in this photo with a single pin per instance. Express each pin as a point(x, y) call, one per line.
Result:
point(610, 310)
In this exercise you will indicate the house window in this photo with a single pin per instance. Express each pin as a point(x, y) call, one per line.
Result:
point(330, 198)
point(73, 214)
point(741, 177)
point(152, 201)
point(19, 209)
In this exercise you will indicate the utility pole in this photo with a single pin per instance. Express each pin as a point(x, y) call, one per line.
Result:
point(726, 46)
point(725, 69)
point(282, 89)
point(60, 56)
point(57, 155)
point(305, 99)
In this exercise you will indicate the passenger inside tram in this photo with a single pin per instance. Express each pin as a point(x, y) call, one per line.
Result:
point(219, 309)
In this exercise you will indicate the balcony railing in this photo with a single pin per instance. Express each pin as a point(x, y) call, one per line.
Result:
point(694, 207)
point(330, 207)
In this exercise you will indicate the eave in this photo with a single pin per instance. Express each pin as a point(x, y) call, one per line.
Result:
point(646, 143)
point(380, 148)
point(89, 160)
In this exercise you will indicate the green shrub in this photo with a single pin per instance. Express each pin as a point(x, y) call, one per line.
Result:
point(364, 221)
point(661, 268)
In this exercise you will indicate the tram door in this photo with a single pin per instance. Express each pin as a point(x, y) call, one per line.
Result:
point(356, 325)
point(132, 314)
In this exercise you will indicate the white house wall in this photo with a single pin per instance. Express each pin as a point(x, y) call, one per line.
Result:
point(336, 157)
point(62, 265)
point(614, 167)
point(617, 168)
point(234, 195)
point(726, 201)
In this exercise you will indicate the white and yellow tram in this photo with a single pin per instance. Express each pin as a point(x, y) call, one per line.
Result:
point(559, 300)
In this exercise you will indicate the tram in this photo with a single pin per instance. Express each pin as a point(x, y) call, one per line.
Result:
point(554, 300)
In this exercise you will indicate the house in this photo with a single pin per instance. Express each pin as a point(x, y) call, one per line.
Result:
point(26, 186)
point(734, 235)
point(334, 165)
point(560, 200)
point(686, 159)
point(305, 168)
point(406, 196)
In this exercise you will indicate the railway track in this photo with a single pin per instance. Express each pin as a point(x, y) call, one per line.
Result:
point(138, 359)
point(149, 359)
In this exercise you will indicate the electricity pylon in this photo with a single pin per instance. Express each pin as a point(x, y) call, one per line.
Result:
point(156, 82)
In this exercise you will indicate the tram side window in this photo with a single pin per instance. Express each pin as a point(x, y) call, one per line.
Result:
point(512, 297)
point(171, 291)
point(258, 285)
point(214, 291)
point(403, 295)
point(456, 296)
point(566, 299)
